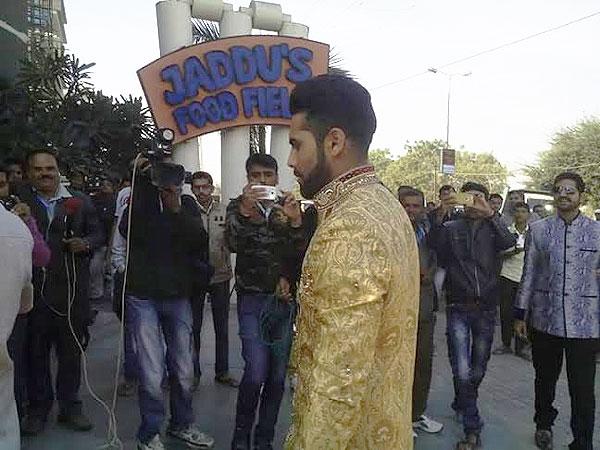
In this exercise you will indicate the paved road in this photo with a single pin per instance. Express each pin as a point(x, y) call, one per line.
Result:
point(506, 399)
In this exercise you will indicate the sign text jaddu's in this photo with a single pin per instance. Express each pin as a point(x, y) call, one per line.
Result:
point(229, 82)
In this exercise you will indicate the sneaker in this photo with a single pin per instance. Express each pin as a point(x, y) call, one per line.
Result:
point(427, 425)
point(543, 439)
point(504, 350)
point(192, 436)
point(126, 389)
point(524, 354)
point(154, 444)
point(32, 425)
point(227, 380)
point(471, 442)
point(75, 421)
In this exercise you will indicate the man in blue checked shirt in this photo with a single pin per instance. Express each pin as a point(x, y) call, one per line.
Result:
point(559, 294)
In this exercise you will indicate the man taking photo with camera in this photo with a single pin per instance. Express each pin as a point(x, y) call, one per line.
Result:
point(265, 229)
point(166, 243)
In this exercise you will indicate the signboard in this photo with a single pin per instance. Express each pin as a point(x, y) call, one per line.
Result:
point(244, 80)
point(448, 161)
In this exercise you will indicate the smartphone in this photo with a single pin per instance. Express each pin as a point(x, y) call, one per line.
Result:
point(266, 192)
point(465, 199)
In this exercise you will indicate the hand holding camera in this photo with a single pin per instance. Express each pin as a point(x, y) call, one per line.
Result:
point(248, 205)
point(482, 207)
point(291, 208)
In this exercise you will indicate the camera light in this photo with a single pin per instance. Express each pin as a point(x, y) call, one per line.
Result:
point(167, 134)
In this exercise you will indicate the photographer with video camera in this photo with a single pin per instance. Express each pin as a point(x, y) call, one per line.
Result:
point(167, 241)
point(264, 228)
point(60, 315)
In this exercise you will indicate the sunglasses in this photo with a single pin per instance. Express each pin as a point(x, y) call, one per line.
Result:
point(562, 190)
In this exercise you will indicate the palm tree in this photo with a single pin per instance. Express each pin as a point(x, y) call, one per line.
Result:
point(206, 31)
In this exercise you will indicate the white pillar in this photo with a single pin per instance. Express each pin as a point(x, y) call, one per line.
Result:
point(174, 20)
point(280, 145)
point(235, 142)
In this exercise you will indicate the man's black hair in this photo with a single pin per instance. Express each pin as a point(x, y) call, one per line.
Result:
point(573, 177)
point(496, 195)
point(411, 192)
point(523, 205)
point(335, 101)
point(13, 161)
point(4, 169)
point(446, 187)
point(261, 159)
point(200, 175)
point(403, 188)
point(473, 186)
point(41, 151)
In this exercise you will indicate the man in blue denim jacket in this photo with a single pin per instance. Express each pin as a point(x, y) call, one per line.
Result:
point(559, 295)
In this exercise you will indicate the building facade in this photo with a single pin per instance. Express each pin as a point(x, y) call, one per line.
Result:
point(26, 25)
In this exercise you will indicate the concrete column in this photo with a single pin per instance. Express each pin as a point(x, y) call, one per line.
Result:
point(280, 145)
point(173, 18)
point(235, 142)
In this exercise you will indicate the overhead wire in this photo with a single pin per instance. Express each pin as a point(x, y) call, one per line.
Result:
point(493, 49)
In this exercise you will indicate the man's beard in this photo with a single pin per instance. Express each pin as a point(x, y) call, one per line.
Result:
point(314, 181)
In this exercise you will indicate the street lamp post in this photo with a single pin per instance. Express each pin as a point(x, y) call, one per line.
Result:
point(449, 76)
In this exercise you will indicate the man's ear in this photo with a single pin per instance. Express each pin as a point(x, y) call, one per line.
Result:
point(335, 142)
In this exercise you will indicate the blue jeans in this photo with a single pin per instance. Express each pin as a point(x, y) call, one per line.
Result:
point(470, 332)
point(265, 365)
point(154, 322)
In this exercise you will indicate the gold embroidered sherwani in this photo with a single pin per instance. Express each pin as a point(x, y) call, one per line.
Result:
point(355, 349)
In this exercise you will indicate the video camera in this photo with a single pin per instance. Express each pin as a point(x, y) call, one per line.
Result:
point(161, 146)
point(164, 173)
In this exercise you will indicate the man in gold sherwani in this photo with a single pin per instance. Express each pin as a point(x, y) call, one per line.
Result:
point(355, 349)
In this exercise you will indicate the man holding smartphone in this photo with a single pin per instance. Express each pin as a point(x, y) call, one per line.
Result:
point(267, 234)
point(468, 248)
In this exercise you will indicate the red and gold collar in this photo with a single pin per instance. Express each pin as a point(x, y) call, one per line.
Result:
point(339, 188)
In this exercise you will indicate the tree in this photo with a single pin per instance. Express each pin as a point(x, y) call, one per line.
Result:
point(420, 166)
point(576, 149)
point(54, 105)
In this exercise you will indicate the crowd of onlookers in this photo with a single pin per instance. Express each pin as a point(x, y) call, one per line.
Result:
point(476, 252)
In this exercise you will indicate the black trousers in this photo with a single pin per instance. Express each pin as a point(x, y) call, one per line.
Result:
point(219, 302)
point(548, 352)
point(508, 293)
point(48, 330)
point(17, 343)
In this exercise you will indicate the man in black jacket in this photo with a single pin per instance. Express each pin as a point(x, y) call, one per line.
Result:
point(167, 241)
point(468, 248)
point(69, 223)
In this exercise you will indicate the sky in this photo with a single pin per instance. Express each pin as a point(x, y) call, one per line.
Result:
point(511, 105)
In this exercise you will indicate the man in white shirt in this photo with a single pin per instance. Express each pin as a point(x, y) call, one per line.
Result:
point(118, 262)
point(510, 277)
point(16, 296)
